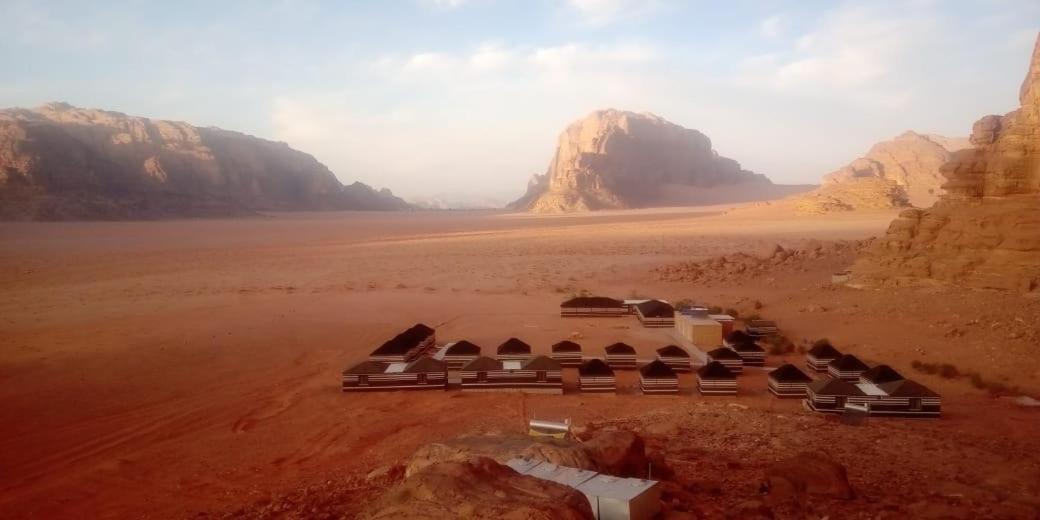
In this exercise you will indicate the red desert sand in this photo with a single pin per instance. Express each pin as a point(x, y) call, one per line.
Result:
point(171, 369)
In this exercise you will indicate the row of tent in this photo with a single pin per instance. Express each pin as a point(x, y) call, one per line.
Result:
point(850, 384)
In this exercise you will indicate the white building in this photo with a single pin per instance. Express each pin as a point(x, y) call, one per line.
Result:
point(611, 498)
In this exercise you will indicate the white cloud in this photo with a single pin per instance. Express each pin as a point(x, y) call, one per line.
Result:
point(444, 4)
point(771, 27)
point(855, 51)
point(604, 12)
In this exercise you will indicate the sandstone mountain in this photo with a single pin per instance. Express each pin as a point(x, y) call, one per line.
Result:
point(615, 159)
point(62, 162)
point(901, 172)
point(985, 231)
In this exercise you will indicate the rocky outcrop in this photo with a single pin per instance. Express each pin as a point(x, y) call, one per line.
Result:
point(985, 231)
point(62, 162)
point(616, 159)
point(617, 453)
point(479, 488)
point(807, 474)
point(897, 173)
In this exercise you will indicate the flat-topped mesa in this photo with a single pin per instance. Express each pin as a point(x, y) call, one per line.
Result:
point(62, 162)
point(985, 231)
point(618, 159)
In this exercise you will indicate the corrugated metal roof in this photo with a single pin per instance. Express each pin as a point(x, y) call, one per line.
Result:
point(615, 487)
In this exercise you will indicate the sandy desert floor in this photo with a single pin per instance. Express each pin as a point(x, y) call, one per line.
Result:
point(163, 369)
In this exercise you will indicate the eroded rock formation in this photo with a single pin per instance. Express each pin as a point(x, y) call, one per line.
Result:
point(900, 172)
point(478, 488)
point(63, 162)
point(985, 231)
point(617, 159)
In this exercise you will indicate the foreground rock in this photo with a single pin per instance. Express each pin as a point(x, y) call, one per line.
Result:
point(62, 162)
point(616, 453)
point(807, 474)
point(479, 488)
point(616, 159)
point(985, 232)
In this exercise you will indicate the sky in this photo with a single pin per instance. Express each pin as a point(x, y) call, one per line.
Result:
point(464, 99)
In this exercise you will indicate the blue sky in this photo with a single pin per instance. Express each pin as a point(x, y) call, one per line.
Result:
point(465, 98)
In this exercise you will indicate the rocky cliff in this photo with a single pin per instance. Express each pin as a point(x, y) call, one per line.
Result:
point(985, 231)
point(900, 172)
point(616, 159)
point(62, 162)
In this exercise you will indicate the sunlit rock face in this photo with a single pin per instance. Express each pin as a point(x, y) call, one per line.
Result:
point(985, 231)
point(63, 162)
point(615, 159)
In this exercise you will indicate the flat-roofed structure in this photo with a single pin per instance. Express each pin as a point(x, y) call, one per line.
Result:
point(567, 353)
point(716, 379)
point(701, 331)
point(596, 376)
point(725, 320)
point(788, 381)
point(513, 349)
point(536, 375)
point(675, 356)
point(593, 307)
point(902, 398)
point(656, 378)
point(420, 374)
point(880, 374)
point(820, 355)
point(405, 346)
point(656, 313)
point(620, 356)
point(728, 358)
point(847, 367)
point(760, 328)
point(457, 354)
point(610, 497)
point(615, 498)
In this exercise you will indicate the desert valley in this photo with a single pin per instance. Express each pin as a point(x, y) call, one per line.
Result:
point(185, 309)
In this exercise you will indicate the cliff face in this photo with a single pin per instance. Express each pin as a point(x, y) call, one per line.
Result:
point(900, 172)
point(63, 162)
point(615, 159)
point(985, 231)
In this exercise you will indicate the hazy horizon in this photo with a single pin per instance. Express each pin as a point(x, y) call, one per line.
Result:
point(464, 99)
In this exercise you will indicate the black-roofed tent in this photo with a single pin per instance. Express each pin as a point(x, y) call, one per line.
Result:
point(716, 379)
point(751, 353)
point(847, 367)
point(675, 356)
point(405, 346)
point(538, 375)
point(458, 354)
point(788, 381)
point(423, 373)
point(568, 353)
point(830, 395)
point(737, 337)
point(595, 375)
point(620, 356)
point(658, 378)
point(593, 307)
point(656, 313)
point(820, 355)
point(906, 398)
point(728, 358)
point(880, 374)
point(513, 350)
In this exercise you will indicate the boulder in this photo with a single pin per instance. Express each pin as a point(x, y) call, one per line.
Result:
point(481, 489)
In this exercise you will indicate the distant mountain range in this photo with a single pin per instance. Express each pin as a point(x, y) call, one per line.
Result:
point(61, 162)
